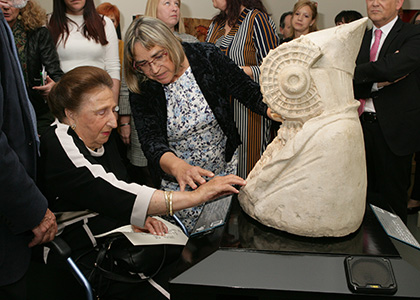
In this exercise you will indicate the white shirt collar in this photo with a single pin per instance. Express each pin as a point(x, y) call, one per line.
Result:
point(386, 28)
point(98, 153)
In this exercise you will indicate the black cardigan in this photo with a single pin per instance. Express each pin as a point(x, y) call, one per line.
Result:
point(218, 78)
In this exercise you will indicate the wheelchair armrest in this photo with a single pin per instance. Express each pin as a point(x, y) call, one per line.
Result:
point(59, 246)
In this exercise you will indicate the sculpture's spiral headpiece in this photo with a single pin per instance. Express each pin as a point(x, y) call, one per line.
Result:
point(286, 81)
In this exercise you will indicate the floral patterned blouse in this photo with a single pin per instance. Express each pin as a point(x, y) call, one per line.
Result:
point(195, 136)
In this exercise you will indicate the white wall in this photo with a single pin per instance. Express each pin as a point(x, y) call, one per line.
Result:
point(327, 9)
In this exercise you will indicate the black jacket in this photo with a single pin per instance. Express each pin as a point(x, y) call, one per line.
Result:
point(83, 181)
point(397, 105)
point(218, 78)
point(40, 50)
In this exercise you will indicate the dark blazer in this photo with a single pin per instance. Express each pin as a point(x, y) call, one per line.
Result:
point(397, 105)
point(218, 78)
point(22, 206)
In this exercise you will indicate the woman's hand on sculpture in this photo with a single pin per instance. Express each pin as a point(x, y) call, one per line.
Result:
point(45, 89)
point(248, 71)
point(153, 226)
point(218, 187)
point(273, 116)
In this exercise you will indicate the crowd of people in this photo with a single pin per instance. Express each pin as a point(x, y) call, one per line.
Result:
point(189, 116)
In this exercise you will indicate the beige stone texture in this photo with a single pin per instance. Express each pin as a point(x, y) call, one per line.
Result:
point(311, 180)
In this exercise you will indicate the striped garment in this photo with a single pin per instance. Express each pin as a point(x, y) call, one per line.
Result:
point(247, 43)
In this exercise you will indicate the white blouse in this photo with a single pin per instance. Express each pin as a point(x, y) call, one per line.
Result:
point(79, 51)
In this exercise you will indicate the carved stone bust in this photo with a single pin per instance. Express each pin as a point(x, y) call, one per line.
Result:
point(311, 180)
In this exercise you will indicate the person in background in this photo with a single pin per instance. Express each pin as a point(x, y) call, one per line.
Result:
point(25, 219)
point(168, 11)
point(386, 83)
point(36, 51)
point(416, 18)
point(84, 38)
point(413, 205)
point(112, 12)
point(91, 175)
point(285, 25)
point(181, 108)
point(304, 19)
point(244, 32)
point(347, 16)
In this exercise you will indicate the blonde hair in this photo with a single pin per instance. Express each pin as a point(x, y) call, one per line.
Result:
point(149, 32)
point(151, 11)
point(32, 16)
point(314, 9)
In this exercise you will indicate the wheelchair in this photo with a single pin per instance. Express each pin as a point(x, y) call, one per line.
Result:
point(48, 282)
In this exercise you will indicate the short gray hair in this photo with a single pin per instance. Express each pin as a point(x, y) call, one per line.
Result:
point(149, 32)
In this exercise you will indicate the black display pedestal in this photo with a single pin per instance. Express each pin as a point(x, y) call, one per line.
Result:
point(246, 260)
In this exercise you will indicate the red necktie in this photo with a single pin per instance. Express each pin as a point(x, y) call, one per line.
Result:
point(373, 52)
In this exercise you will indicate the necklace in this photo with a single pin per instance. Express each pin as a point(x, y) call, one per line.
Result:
point(78, 21)
point(80, 27)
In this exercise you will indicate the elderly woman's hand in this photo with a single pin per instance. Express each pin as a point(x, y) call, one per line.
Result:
point(214, 188)
point(153, 226)
point(219, 186)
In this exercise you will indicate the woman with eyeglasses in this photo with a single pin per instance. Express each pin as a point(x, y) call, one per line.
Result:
point(180, 104)
point(169, 11)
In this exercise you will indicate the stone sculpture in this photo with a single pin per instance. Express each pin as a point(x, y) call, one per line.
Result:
point(311, 180)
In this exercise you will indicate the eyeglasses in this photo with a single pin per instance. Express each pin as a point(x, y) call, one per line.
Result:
point(144, 66)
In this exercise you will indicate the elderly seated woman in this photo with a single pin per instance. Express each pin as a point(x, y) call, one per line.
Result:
point(80, 168)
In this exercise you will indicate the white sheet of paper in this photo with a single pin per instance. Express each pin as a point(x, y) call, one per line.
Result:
point(175, 236)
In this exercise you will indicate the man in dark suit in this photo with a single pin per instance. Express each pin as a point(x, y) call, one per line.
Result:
point(25, 220)
point(385, 80)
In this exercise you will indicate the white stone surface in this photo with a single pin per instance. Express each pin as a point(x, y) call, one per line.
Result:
point(311, 180)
